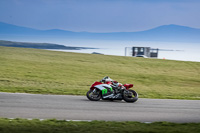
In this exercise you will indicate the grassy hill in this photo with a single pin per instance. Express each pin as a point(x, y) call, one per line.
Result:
point(50, 72)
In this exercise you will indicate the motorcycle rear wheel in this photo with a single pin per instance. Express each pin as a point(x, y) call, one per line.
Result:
point(130, 96)
point(94, 96)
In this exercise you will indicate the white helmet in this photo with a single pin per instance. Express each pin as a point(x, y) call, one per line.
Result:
point(115, 83)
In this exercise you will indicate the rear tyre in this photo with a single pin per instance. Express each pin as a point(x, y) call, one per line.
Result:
point(130, 96)
point(94, 95)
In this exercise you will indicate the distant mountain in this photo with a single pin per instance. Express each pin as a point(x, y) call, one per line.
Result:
point(39, 45)
point(165, 33)
point(173, 33)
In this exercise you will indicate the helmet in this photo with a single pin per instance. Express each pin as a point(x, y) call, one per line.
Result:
point(115, 83)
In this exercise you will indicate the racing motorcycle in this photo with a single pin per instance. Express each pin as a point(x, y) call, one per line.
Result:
point(108, 89)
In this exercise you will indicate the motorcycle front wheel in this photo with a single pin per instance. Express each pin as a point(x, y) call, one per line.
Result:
point(94, 95)
point(130, 96)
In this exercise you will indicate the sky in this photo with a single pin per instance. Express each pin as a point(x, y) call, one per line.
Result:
point(100, 15)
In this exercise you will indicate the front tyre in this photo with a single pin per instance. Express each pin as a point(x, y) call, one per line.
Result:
point(130, 96)
point(94, 95)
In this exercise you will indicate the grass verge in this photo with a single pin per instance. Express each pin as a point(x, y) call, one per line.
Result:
point(50, 72)
point(61, 126)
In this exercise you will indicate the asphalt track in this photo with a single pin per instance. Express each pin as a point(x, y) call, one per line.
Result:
point(17, 105)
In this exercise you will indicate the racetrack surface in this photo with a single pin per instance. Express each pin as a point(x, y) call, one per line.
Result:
point(65, 107)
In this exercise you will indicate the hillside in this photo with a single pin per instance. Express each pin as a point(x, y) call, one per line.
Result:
point(50, 72)
point(39, 45)
point(165, 33)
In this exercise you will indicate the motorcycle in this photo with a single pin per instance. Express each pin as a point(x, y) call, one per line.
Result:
point(107, 89)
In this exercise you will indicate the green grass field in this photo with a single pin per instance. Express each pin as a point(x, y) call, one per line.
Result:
point(60, 126)
point(50, 72)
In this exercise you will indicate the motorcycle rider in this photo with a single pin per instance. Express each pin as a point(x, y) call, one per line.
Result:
point(110, 92)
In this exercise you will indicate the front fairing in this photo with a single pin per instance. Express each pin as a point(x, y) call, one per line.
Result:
point(103, 86)
point(94, 84)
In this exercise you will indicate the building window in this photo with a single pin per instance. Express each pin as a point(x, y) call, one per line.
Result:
point(136, 49)
point(142, 50)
